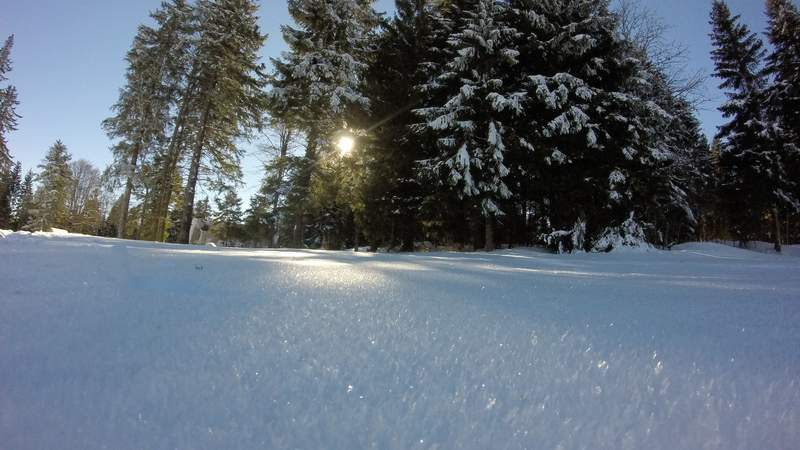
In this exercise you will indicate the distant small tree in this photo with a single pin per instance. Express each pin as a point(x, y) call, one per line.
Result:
point(202, 210)
point(24, 202)
point(259, 223)
point(228, 217)
point(85, 214)
point(55, 181)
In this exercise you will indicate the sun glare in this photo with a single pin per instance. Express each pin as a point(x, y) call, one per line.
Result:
point(345, 145)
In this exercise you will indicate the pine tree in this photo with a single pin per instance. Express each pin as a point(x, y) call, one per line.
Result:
point(259, 223)
point(24, 202)
point(10, 186)
point(319, 81)
point(8, 104)
point(164, 168)
point(55, 181)
point(753, 175)
point(589, 139)
point(229, 216)
point(783, 64)
point(229, 99)
point(679, 185)
point(393, 192)
point(157, 61)
point(318, 84)
point(480, 105)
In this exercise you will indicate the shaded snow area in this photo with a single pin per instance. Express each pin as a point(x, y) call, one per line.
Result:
point(126, 345)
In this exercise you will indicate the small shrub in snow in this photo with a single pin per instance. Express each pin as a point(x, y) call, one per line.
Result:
point(630, 234)
point(563, 241)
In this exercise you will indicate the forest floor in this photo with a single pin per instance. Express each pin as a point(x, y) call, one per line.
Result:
point(118, 344)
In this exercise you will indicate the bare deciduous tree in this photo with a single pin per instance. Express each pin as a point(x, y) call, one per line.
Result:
point(645, 29)
point(85, 185)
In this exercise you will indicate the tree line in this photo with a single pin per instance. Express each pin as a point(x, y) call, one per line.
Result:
point(473, 124)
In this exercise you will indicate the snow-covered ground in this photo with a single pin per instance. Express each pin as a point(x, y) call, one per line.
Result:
point(128, 345)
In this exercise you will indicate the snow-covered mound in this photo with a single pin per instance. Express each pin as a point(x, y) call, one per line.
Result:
point(769, 247)
point(713, 249)
point(732, 250)
point(54, 232)
point(130, 345)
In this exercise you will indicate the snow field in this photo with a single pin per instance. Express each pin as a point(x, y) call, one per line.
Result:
point(117, 344)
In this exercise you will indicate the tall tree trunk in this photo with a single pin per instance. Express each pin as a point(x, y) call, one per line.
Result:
point(163, 199)
point(286, 138)
point(407, 244)
point(489, 244)
point(393, 233)
point(355, 234)
point(299, 225)
point(142, 216)
point(191, 181)
point(511, 229)
point(161, 208)
point(149, 207)
point(777, 220)
point(304, 185)
point(126, 197)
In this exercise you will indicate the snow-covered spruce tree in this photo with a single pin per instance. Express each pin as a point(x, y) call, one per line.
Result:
point(669, 188)
point(392, 191)
point(670, 177)
point(590, 131)
point(55, 182)
point(229, 99)
point(317, 86)
point(480, 105)
point(783, 64)
point(753, 177)
point(680, 184)
point(8, 105)
point(684, 193)
point(143, 113)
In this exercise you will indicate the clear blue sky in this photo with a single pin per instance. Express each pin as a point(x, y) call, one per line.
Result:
point(68, 65)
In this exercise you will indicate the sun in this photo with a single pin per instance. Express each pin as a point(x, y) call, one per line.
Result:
point(345, 145)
